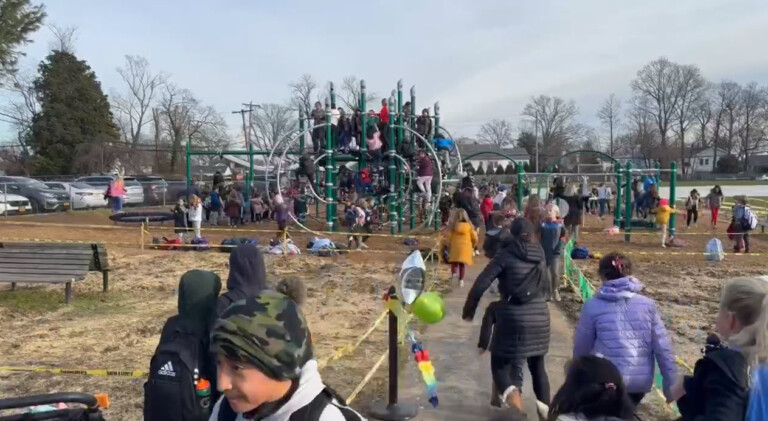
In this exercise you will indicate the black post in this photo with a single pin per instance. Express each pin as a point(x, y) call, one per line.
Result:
point(392, 410)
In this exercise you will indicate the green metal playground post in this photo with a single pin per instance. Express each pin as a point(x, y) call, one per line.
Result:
point(437, 124)
point(628, 202)
point(303, 195)
point(189, 167)
point(519, 187)
point(250, 173)
point(392, 175)
point(332, 156)
point(412, 221)
point(617, 210)
point(400, 168)
point(329, 192)
point(657, 166)
point(672, 187)
point(363, 123)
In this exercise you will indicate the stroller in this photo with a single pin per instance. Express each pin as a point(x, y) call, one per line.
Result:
point(90, 412)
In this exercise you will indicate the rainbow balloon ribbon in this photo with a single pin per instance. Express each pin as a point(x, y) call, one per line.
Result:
point(425, 367)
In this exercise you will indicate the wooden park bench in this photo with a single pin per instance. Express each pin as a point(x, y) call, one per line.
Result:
point(52, 263)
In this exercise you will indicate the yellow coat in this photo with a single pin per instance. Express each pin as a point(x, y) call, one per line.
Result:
point(662, 214)
point(461, 244)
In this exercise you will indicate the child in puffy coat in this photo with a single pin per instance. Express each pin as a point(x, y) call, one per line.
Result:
point(462, 241)
point(625, 327)
point(663, 213)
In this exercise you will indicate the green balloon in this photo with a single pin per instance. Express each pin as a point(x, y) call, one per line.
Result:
point(429, 307)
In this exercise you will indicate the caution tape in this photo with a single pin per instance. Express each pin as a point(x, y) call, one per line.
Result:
point(58, 224)
point(329, 233)
point(86, 372)
point(680, 253)
point(346, 350)
point(43, 240)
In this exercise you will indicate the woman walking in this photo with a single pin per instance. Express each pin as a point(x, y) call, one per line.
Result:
point(522, 318)
point(714, 202)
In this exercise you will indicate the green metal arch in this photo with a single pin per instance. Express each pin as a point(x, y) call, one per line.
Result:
point(602, 155)
point(503, 155)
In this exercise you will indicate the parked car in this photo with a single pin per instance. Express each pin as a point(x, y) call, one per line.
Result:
point(155, 189)
point(134, 193)
point(81, 195)
point(41, 197)
point(13, 204)
point(763, 177)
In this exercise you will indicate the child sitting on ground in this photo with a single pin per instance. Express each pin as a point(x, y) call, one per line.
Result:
point(593, 390)
point(552, 240)
point(719, 387)
point(626, 328)
point(663, 212)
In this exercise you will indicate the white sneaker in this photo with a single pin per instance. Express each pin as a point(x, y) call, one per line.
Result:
point(461, 283)
point(363, 245)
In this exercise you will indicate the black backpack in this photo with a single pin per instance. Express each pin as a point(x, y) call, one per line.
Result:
point(170, 392)
point(310, 412)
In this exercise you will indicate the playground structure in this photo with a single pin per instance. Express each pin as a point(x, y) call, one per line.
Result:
point(400, 129)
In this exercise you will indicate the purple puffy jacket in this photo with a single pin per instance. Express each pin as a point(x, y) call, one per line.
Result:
point(625, 327)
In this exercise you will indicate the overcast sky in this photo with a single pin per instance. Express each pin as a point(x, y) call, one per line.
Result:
point(482, 59)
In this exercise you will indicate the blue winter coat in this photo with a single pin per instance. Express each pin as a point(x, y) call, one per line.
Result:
point(625, 327)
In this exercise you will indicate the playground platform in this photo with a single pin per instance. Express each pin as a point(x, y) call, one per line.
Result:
point(464, 377)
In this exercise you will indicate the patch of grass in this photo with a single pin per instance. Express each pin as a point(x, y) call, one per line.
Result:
point(33, 301)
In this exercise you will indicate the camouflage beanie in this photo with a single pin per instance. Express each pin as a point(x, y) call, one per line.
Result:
point(267, 331)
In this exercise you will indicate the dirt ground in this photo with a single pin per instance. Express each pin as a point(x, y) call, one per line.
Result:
point(119, 330)
point(685, 287)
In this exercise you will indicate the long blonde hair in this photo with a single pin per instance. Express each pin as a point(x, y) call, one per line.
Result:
point(459, 216)
point(194, 200)
point(747, 299)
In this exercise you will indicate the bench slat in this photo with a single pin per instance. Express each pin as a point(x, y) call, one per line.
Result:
point(51, 279)
point(47, 270)
point(87, 246)
point(40, 252)
point(31, 263)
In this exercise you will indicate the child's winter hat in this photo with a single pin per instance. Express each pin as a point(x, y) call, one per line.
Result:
point(267, 331)
point(663, 202)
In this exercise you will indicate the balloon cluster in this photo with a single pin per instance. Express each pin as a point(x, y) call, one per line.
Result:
point(425, 367)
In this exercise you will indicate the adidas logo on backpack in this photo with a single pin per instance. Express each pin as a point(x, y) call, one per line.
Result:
point(167, 370)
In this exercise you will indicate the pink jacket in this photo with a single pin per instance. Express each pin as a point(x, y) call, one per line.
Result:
point(375, 143)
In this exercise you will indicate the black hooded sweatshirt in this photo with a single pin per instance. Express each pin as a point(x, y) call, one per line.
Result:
point(521, 317)
point(718, 389)
point(198, 292)
point(247, 276)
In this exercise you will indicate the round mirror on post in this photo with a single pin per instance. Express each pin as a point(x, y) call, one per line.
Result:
point(411, 283)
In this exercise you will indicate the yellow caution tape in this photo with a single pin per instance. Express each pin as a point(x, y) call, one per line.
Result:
point(107, 373)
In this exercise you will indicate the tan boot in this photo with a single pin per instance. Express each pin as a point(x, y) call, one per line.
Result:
point(512, 398)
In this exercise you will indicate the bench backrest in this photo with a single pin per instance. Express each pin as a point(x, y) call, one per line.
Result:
point(94, 253)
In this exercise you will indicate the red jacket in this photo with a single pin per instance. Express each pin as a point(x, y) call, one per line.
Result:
point(486, 207)
point(384, 115)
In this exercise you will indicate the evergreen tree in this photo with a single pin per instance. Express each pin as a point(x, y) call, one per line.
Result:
point(74, 124)
point(480, 169)
point(18, 19)
point(511, 169)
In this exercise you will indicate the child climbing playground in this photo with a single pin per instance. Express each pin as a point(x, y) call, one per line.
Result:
point(462, 242)
point(625, 327)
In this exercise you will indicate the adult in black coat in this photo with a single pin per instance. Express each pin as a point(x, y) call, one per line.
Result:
point(247, 276)
point(719, 387)
point(521, 318)
point(465, 199)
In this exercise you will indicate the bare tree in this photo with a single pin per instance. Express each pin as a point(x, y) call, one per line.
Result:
point(350, 93)
point(609, 115)
point(642, 138)
point(554, 118)
point(702, 112)
point(64, 38)
point(302, 91)
point(657, 87)
point(751, 131)
point(724, 114)
point(271, 123)
point(690, 86)
point(20, 107)
point(177, 107)
point(496, 132)
point(131, 109)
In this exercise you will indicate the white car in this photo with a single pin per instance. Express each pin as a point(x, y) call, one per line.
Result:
point(763, 177)
point(82, 195)
point(13, 204)
point(134, 193)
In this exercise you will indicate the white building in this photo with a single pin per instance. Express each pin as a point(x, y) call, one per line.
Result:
point(491, 156)
point(702, 160)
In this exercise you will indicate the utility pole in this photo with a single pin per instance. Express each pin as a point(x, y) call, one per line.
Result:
point(536, 138)
point(246, 137)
